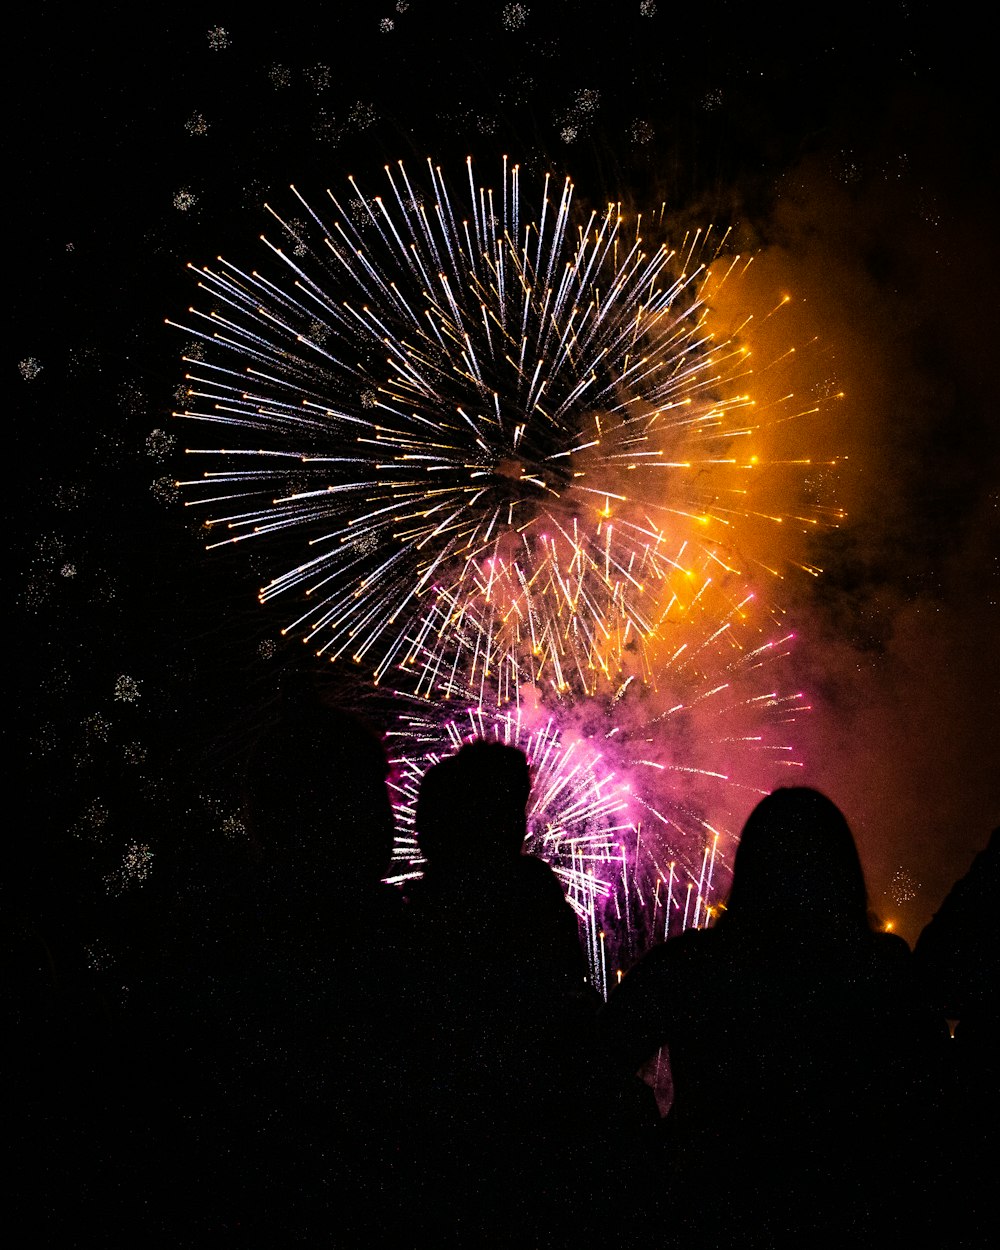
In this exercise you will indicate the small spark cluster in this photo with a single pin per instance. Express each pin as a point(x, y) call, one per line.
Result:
point(135, 868)
point(903, 887)
point(127, 689)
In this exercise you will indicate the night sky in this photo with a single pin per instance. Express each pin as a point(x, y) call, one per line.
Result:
point(855, 156)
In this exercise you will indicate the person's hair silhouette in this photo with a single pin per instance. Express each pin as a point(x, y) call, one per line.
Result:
point(797, 867)
point(471, 809)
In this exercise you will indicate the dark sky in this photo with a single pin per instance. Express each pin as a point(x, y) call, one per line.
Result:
point(857, 156)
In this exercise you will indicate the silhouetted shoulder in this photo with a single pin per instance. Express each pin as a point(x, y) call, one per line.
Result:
point(534, 875)
point(959, 950)
point(958, 959)
point(891, 953)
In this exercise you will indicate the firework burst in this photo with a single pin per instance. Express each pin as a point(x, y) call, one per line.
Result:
point(493, 450)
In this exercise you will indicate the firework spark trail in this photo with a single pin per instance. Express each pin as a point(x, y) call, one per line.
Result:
point(509, 446)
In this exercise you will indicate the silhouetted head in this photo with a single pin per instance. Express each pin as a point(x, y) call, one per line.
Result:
point(797, 865)
point(472, 806)
point(317, 797)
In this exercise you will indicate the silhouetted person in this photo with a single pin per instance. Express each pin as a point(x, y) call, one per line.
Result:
point(504, 909)
point(802, 1061)
point(958, 955)
point(501, 1098)
point(276, 1044)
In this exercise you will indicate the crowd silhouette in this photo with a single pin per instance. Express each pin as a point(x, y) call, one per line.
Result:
point(303, 1055)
